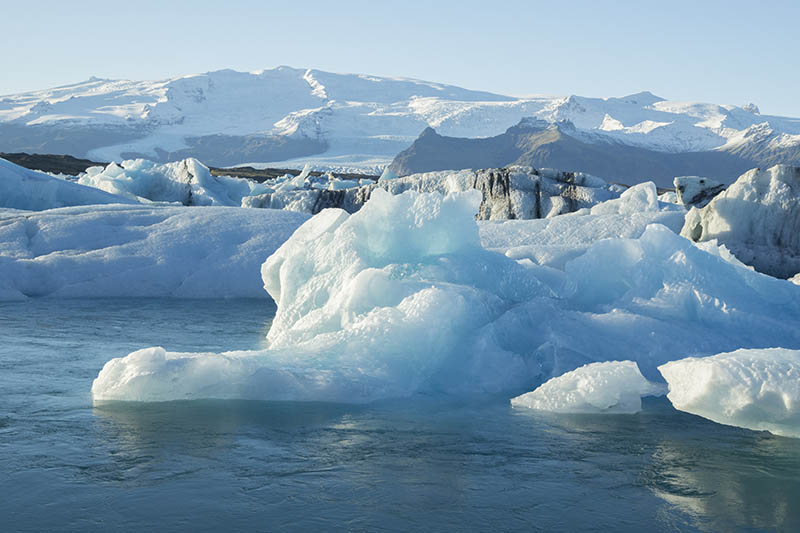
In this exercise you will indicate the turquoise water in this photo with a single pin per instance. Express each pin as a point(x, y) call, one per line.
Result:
point(428, 463)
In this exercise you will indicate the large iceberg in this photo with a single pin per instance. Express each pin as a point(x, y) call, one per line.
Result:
point(757, 218)
point(401, 298)
point(754, 389)
point(136, 250)
point(611, 387)
point(30, 190)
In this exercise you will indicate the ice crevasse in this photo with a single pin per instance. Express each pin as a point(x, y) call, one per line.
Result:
point(400, 298)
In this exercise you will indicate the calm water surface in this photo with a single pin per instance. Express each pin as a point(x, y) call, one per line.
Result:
point(433, 464)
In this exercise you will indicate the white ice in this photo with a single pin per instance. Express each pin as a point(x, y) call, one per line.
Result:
point(696, 191)
point(21, 188)
point(754, 389)
point(554, 241)
point(186, 182)
point(757, 218)
point(136, 250)
point(401, 298)
point(611, 387)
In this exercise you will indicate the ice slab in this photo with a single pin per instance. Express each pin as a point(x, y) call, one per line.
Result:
point(612, 387)
point(754, 389)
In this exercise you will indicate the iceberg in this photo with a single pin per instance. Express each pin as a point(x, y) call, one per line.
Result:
point(186, 182)
point(508, 193)
point(402, 298)
point(757, 218)
point(756, 389)
point(612, 387)
point(139, 251)
point(30, 190)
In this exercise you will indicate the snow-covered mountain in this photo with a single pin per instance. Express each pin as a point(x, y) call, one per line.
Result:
point(228, 117)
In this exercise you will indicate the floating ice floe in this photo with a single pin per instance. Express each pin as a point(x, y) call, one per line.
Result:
point(612, 387)
point(30, 190)
point(401, 298)
point(756, 389)
point(757, 218)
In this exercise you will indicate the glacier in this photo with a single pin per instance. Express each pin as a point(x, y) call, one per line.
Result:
point(611, 387)
point(285, 113)
point(757, 389)
point(403, 298)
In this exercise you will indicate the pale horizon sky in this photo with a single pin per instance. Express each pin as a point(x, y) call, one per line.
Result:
point(730, 52)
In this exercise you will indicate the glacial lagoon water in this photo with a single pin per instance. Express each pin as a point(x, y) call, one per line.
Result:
point(422, 464)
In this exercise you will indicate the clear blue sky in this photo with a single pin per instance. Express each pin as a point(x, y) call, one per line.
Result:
point(714, 51)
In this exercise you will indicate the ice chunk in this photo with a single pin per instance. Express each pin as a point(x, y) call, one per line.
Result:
point(25, 189)
point(609, 387)
point(757, 218)
point(387, 174)
point(138, 251)
point(640, 198)
point(370, 305)
point(187, 182)
point(554, 241)
point(694, 191)
point(755, 389)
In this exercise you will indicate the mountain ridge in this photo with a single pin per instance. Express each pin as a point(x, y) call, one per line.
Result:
point(227, 117)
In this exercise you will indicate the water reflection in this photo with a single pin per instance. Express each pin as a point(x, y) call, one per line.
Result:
point(192, 435)
point(738, 480)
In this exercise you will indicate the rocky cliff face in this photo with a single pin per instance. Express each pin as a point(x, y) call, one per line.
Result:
point(757, 218)
point(508, 193)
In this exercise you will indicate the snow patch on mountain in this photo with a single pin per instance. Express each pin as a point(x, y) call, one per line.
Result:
point(381, 115)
